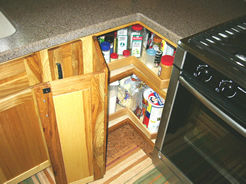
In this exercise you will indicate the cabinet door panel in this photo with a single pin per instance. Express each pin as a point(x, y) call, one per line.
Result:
point(73, 118)
point(21, 141)
point(73, 113)
point(69, 56)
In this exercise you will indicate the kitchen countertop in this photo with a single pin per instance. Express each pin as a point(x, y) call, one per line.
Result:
point(46, 23)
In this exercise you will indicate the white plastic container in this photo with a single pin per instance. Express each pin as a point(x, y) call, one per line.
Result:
point(150, 58)
point(112, 94)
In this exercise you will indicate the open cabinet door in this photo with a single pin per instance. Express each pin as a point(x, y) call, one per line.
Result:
point(72, 112)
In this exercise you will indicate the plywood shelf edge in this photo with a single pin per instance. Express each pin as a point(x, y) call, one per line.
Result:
point(131, 65)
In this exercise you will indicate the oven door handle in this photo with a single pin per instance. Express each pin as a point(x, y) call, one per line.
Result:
point(212, 107)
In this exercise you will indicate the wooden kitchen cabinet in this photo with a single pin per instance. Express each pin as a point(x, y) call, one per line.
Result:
point(23, 151)
point(57, 98)
point(73, 110)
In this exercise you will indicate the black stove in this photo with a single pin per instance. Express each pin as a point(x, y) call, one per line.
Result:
point(223, 47)
point(216, 59)
point(202, 133)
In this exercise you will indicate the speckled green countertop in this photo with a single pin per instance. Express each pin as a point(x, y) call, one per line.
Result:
point(46, 23)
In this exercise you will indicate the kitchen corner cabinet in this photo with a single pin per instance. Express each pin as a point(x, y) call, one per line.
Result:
point(72, 107)
point(54, 110)
point(131, 65)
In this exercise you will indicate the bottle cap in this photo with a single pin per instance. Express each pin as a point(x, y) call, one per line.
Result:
point(151, 52)
point(114, 56)
point(137, 27)
point(167, 60)
point(105, 45)
point(126, 53)
point(157, 39)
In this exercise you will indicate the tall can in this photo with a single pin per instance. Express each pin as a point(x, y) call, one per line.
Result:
point(154, 112)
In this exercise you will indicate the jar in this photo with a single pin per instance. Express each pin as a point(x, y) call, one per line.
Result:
point(136, 29)
point(150, 58)
point(137, 46)
point(126, 53)
point(157, 42)
point(110, 39)
point(166, 66)
point(105, 46)
point(113, 57)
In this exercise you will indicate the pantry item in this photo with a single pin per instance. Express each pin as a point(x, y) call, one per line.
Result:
point(115, 42)
point(105, 47)
point(157, 58)
point(125, 82)
point(113, 57)
point(157, 43)
point(166, 66)
point(136, 29)
point(124, 97)
point(146, 36)
point(122, 44)
point(122, 40)
point(101, 39)
point(126, 53)
point(150, 58)
point(123, 31)
point(113, 90)
point(137, 44)
point(110, 39)
point(146, 94)
point(153, 113)
point(167, 49)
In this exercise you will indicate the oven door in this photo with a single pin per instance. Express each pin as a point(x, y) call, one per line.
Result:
point(202, 141)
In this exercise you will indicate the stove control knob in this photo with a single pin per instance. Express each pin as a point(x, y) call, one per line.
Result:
point(204, 73)
point(227, 88)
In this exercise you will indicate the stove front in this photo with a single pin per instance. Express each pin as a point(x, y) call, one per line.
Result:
point(202, 134)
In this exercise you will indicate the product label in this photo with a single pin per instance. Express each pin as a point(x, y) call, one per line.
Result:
point(137, 45)
point(133, 33)
point(155, 108)
point(170, 50)
point(156, 47)
point(122, 44)
point(122, 32)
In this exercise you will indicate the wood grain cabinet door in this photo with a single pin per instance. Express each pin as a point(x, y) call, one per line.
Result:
point(73, 117)
point(22, 148)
